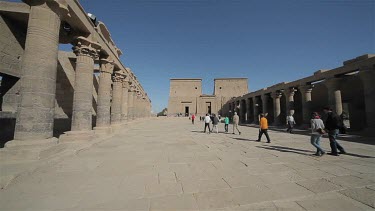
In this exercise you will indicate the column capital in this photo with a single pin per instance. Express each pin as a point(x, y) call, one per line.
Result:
point(118, 76)
point(277, 94)
point(60, 7)
point(106, 66)
point(125, 83)
point(290, 91)
point(305, 88)
point(132, 88)
point(86, 47)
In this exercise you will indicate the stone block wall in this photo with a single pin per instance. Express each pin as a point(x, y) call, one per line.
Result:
point(12, 43)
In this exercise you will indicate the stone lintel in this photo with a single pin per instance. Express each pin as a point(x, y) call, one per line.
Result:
point(14, 7)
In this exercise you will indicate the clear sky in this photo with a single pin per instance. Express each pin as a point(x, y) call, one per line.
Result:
point(266, 41)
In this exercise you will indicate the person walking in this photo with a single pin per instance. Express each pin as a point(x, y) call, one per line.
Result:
point(192, 119)
point(290, 122)
point(317, 129)
point(263, 123)
point(332, 124)
point(226, 123)
point(236, 120)
point(215, 122)
point(207, 121)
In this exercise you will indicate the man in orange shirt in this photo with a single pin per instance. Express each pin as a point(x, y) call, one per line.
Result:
point(263, 128)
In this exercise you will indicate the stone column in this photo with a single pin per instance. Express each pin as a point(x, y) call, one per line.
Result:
point(306, 103)
point(116, 109)
point(125, 99)
point(264, 103)
point(131, 102)
point(256, 109)
point(248, 113)
point(137, 104)
point(277, 107)
point(289, 93)
point(334, 94)
point(368, 77)
point(35, 114)
point(87, 52)
point(104, 94)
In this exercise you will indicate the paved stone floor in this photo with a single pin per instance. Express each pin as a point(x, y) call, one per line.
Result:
point(169, 164)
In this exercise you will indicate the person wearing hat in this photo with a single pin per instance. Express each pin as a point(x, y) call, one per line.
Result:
point(236, 120)
point(317, 129)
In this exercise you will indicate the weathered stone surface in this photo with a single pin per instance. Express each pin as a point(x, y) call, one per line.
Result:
point(116, 110)
point(86, 51)
point(364, 195)
point(319, 185)
point(104, 94)
point(351, 181)
point(39, 65)
point(151, 169)
point(176, 202)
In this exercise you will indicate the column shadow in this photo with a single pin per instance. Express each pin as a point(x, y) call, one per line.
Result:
point(288, 149)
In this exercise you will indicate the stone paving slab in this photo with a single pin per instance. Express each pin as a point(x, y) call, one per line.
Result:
point(169, 164)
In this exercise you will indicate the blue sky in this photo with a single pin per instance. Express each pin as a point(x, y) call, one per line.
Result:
point(266, 41)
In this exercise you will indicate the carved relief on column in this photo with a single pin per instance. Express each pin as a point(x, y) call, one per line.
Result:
point(125, 99)
point(334, 94)
point(136, 103)
point(289, 93)
point(86, 51)
point(104, 93)
point(276, 106)
point(35, 113)
point(306, 102)
point(131, 101)
point(116, 110)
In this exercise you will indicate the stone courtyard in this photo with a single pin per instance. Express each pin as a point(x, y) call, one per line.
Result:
point(169, 164)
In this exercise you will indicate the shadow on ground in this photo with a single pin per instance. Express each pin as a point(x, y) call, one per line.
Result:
point(305, 152)
point(344, 137)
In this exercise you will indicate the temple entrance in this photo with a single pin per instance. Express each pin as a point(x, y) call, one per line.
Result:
point(208, 107)
point(187, 111)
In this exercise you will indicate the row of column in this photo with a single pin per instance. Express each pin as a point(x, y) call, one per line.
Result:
point(367, 76)
point(35, 114)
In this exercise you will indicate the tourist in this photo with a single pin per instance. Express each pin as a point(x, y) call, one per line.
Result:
point(263, 123)
point(317, 129)
point(226, 123)
point(207, 121)
point(332, 124)
point(215, 122)
point(192, 119)
point(290, 122)
point(236, 120)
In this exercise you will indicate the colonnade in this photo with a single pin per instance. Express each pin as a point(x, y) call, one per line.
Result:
point(35, 114)
point(259, 102)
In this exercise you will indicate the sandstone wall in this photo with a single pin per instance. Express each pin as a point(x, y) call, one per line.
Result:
point(12, 43)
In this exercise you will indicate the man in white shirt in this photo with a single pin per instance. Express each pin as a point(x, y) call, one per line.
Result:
point(207, 121)
point(290, 122)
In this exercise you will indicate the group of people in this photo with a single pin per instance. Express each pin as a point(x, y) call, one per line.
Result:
point(214, 119)
point(331, 126)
